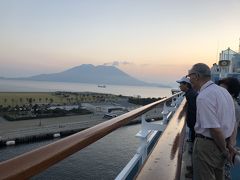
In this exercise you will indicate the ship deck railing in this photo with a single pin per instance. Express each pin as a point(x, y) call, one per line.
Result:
point(158, 157)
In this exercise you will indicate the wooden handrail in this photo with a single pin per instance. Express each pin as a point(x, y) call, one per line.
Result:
point(34, 162)
point(164, 162)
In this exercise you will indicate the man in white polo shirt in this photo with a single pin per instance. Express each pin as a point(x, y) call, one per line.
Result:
point(215, 121)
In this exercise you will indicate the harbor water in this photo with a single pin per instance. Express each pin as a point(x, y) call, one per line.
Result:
point(101, 160)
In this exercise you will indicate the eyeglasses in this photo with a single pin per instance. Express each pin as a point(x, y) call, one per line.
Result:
point(192, 73)
point(188, 76)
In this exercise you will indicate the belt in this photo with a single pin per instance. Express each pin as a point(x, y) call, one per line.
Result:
point(203, 137)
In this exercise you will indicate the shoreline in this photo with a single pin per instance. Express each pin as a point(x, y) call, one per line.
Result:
point(13, 99)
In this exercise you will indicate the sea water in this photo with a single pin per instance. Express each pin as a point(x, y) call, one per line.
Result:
point(103, 159)
point(45, 86)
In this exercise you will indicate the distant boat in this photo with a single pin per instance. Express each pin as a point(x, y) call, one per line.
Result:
point(102, 86)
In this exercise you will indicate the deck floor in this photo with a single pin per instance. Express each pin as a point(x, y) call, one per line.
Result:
point(186, 157)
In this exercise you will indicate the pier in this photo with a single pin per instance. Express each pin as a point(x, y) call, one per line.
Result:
point(28, 131)
point(42, 129)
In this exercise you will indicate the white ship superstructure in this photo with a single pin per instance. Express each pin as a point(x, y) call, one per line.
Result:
point(228, 65)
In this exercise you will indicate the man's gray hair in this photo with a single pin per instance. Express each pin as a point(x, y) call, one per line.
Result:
point(202, 69)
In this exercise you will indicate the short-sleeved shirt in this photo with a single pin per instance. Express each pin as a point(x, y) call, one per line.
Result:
point(215, 109)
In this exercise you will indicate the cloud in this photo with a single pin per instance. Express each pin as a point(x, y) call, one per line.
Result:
point(117, 63)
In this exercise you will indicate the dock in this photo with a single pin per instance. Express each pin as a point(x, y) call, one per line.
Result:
point(26, 131)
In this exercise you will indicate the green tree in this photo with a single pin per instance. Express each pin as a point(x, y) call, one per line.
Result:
point(20, 100)
point(51, 100)
point(5, 100)
point(12, 101)
point(30, 100)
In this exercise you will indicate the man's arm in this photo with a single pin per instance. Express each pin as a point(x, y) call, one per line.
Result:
point(233, 137)
point(183, 111)
point(219, 139)
point(231, 142)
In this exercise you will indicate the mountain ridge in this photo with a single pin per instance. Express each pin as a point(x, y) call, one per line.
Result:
point(88, 73)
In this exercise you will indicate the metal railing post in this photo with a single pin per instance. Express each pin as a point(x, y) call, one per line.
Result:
point(165, 113)
point(142, 134)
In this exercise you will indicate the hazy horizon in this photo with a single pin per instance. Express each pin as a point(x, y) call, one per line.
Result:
point(154, 41)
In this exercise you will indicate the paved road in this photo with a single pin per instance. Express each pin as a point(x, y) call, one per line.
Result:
point(12, 129)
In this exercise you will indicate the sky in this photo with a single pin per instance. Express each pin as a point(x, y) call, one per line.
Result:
point(152, 40)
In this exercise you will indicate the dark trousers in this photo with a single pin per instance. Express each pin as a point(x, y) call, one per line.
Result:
point(192, 134)
point(190, 125)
